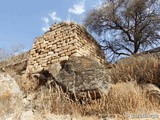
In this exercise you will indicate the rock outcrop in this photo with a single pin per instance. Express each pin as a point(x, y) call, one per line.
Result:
point(82, 75)
point(10, 97)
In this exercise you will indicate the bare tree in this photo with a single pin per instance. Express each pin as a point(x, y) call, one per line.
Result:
point(3, 54)
point(17, 49)
point(131, 25)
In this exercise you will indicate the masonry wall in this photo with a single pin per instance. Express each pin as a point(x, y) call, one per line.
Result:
point(59, 43)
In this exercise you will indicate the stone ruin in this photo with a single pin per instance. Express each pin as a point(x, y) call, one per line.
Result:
point(60, 42)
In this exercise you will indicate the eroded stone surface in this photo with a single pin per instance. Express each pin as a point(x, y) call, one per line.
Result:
point(10, 96)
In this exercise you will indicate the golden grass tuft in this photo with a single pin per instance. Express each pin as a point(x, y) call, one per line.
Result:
point(5, 96)
point(129, 97)
point(122, 98)
point(143, 69)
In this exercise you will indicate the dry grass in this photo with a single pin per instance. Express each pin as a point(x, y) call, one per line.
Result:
point(129, 97)
point(126, 95)
point(123, 98)
point(13, 60)
point(144, 69)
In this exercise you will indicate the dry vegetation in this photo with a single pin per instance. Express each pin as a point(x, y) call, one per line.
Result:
point(143, 69)
point(125, 96)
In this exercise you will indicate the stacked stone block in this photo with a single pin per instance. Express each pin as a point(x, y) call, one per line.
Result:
point(59, 43)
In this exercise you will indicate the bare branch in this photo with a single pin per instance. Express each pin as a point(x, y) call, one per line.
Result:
point(133, 25)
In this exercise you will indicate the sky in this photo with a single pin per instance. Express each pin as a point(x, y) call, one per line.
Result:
point(23, 20)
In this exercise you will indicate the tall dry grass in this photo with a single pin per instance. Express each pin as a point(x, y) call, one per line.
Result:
point(123, 98)
point(143, 69)
point(126, 95)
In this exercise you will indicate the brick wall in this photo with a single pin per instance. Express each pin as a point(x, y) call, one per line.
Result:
point(59, 43)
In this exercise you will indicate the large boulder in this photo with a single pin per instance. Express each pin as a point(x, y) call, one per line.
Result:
point(80, 77)
point(54, 69)
point(84, 75)
point(10, 96)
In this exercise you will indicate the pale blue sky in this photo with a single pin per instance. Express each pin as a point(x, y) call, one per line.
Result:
point(23, 20)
